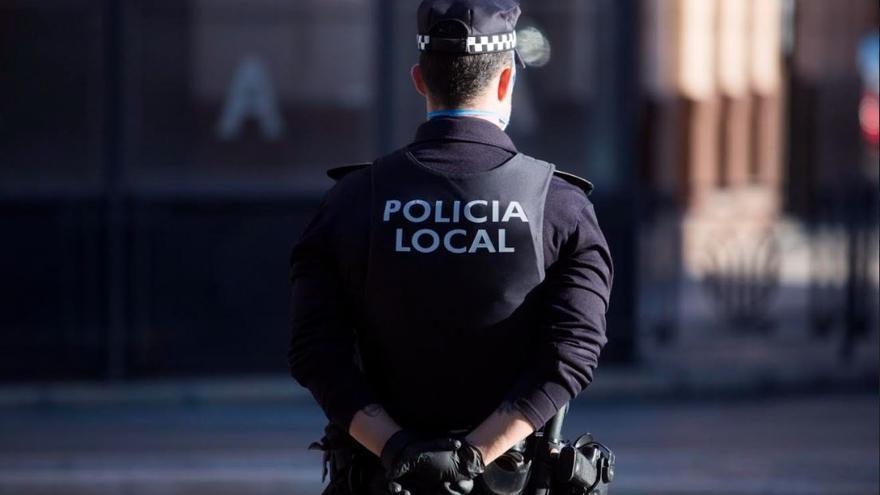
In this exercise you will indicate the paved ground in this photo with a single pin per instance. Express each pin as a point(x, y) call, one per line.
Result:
point(824, 445)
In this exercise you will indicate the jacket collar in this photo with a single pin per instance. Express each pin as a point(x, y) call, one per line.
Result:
point(468, 129)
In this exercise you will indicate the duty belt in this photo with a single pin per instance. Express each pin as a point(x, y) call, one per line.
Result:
point(541, 464)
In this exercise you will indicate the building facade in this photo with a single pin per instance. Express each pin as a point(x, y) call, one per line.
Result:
point(159, 158)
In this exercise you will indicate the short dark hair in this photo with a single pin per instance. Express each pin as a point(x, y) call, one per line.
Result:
point(455, 79)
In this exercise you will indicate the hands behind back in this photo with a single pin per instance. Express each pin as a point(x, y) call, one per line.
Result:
point(427, 467)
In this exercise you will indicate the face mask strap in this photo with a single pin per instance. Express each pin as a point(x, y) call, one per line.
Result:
point(515, 71)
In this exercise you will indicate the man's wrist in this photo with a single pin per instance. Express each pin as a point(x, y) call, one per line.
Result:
point(393, 447)
point(372, 427)
point(480, 449)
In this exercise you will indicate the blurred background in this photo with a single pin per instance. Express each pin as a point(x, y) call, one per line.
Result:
point(159, 158)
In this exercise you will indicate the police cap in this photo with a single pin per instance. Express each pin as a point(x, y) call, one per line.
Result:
point(468, 26)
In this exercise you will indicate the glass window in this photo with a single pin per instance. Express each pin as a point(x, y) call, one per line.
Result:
point(234, 93)
point(51, 84)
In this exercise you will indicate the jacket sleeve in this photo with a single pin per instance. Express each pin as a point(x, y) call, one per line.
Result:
point(321, 354)
point(572, 334)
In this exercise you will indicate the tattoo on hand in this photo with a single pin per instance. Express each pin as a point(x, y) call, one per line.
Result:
point(373, 410)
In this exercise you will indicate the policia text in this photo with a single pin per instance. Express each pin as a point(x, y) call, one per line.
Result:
point(456, 241)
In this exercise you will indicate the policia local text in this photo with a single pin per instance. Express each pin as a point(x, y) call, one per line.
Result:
point(457, 241)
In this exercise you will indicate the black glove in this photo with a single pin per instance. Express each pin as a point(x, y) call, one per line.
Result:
point(403, 451)
point(448, 471)
point(443, 465)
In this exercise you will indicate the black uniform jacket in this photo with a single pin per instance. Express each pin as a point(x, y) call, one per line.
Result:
point(328, 265)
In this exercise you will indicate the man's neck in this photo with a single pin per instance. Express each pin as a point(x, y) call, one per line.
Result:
point(471, 112)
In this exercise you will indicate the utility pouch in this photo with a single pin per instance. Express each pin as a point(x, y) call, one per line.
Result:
point(509, 473)
point(585, 467)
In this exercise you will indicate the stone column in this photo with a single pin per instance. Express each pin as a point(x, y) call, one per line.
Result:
point(765, 73)
point(733, 84)
point(697, 83)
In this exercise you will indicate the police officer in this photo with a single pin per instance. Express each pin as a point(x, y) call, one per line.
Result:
point(449, 298)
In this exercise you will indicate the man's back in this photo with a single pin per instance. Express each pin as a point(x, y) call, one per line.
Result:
point(538, 360)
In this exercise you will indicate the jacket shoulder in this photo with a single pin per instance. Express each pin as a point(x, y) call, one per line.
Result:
point(338, 173)
point(577, 181)
point(586, 186)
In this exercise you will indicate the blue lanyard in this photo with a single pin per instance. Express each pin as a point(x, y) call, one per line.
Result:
point(461, 113)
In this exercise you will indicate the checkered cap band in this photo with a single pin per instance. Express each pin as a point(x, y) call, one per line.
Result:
point(424, 41)
point(479, 44)
point(493, 43)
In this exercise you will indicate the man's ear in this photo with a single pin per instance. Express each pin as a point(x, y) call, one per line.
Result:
point(418, 80)
point(505, 83)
